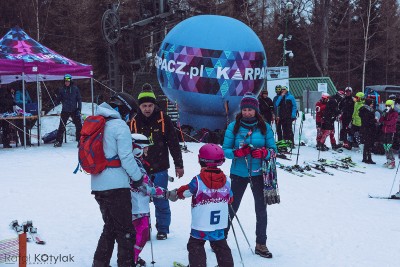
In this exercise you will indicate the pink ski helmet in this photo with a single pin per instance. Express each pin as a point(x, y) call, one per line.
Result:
point(211, 155)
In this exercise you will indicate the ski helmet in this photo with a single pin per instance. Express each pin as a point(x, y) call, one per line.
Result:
point(325, 96)
point(139, 142)
point(211, 155)
point(67, 77)
point(360, 95)
point(125, 103)
point(348, 89)
point(278, 88)
point(389, 103)
point(392, 97)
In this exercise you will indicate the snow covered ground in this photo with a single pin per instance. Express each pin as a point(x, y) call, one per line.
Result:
point(321, 221)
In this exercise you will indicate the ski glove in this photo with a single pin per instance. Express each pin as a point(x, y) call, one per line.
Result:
point(172, 195)
point(259, 153)
point(138, 183)
point(242, 152)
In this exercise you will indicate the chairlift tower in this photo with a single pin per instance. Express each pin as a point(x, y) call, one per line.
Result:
point(157, 17)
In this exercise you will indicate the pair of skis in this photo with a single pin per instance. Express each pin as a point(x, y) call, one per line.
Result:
point(27, 227)
point(295, 170)
point(381, 197)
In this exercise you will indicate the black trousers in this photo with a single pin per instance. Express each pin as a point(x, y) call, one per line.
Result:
point(116, 209)
point(197, 254)
point(287, 130)
point(6, 131)
point(76, 119)
point(345, 128)
point(279, 129)
point(238, 187)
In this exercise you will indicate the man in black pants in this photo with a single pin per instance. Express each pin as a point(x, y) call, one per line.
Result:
point(6, 105)
point(71, 101)
point(346, 107)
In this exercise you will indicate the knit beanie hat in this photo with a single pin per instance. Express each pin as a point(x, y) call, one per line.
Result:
point(249, 101)
point(147, 94)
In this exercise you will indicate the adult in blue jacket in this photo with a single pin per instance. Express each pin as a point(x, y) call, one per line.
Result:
point(111, 187)
point(247, 141)
point(286, 109)
point(70, 98)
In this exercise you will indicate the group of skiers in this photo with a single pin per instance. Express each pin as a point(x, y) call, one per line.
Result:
point(361, 122)
point(142, 141)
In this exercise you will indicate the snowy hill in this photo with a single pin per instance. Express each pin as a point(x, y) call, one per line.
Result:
point(321, 221)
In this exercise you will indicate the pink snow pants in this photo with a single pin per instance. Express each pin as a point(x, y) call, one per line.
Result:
point(142, 234)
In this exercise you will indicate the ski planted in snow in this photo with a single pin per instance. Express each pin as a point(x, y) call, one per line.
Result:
point(318, 167)
point(381, 197)
point(178, 264)
point(16, 227)
point(282, 156)
point(28, 228)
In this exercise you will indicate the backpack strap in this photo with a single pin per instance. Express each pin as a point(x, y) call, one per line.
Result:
point(133, 125)
point(162, 122)
point(113, 162)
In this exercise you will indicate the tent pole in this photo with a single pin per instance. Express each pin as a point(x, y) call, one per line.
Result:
point(39, 101)
point(23, 107)
point(91, 86)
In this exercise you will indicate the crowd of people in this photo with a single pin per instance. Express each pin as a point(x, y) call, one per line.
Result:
point(123, 191)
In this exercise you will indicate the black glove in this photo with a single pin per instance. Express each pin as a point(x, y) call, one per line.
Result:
point(138, 183)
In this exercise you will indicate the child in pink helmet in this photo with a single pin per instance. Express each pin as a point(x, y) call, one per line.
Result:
point(211, 195)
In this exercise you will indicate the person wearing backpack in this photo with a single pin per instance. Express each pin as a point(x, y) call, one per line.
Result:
point(111, 187)
point(157, 126)
point(70, 98)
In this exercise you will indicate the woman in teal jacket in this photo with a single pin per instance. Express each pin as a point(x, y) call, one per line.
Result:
point(247, 141)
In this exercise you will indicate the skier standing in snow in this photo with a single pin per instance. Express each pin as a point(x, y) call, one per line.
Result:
point(368, 129)
point(389, 119)
point(346, 107)
point(158, 127)
point(328, 124)
point(6, 105)
point(278, 124)
point(70, 98)
point(111, 187)
point(211, 194)
point(356, 120)
point(266, 106)
point(286, 113)
point(319, 112)
point(141, 198)
point(247, 141)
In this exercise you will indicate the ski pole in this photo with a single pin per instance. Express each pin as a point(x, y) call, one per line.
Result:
point(303, 118)
point(237, 244)
point(237, 218)
point(151, 242)
point(394, 179)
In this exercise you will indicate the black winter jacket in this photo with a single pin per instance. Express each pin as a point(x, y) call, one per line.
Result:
point(6, 101)
point(368, 123)
point(346, 106)
point(158, 155)
point(330, 114)
point(266, 108)
point(70, 98)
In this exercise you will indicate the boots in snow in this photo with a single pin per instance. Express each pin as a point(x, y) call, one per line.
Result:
point(263, 251)
point(392, 165)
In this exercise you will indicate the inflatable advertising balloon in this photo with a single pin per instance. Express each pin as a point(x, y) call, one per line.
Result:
point(207, 63)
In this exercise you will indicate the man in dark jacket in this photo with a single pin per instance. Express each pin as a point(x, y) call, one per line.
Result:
point(278, 124)
point(266, 106)
point(368, 126)
point(6, 105)
point(328, 125)
point(286, 113)
point(158, 127)
point(346, 107)
point(71, 101)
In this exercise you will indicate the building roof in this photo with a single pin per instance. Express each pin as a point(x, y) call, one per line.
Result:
point(298, 85)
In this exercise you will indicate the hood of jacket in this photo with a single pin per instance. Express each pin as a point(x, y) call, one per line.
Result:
point(213, 178)
point(107, 111)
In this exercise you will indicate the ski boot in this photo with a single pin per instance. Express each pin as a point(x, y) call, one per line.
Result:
point(161, 236)
point(263, 251)
point(140, 263)
point(392, 165)
point(57, 144)
point(397, 195)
